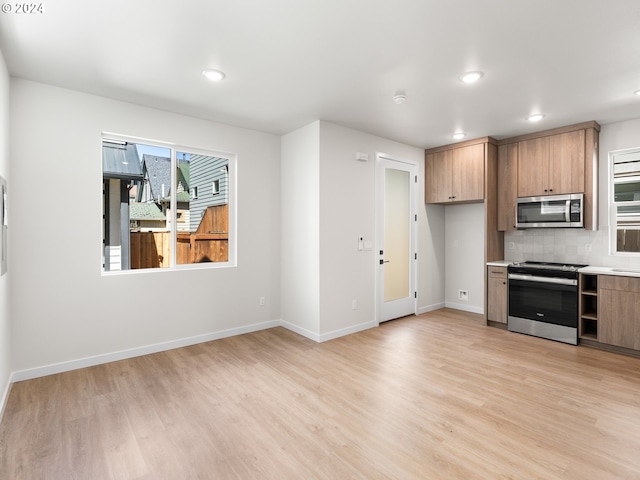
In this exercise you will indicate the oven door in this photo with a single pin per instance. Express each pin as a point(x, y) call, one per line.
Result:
point(544, 299)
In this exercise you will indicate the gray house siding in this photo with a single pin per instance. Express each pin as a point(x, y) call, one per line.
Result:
point(204, 171)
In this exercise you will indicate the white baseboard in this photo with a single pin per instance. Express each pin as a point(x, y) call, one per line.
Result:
point(348, 331)
point(5, 397)
point(136, 352)
point(301, 331)
point(465, 308)
point(430, 308)
point(319, 338)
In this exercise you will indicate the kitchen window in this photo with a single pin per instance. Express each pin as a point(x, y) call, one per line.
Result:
point(625, 201)
point(153, 217)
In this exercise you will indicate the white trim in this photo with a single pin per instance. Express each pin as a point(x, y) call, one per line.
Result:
point(324, 337)
point(5, 397)
point(232, 200)
point(611, 204)
point(465, 308)
point(382, 161)
point(31, 373)
point(348, 331)
point(301, 331)
point(52, 369)
point(431, 308)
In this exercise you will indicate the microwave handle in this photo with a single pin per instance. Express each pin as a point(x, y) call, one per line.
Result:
point(567, 211)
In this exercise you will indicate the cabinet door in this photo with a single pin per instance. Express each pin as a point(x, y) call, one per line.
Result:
point(533, 167)
point(468, 173)
point(566, 165)
point(507, 179)
point(438, 177)
point(497, 297)
point(619, 317)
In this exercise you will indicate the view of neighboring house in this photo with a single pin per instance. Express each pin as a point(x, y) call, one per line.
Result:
point(137, 201)
point(146, 217)
point(121, 170)
point(209, 186)
point(156, 189)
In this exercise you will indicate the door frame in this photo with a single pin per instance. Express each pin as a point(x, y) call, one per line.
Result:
point(384, 161)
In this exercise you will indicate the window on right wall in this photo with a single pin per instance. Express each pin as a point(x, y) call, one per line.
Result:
point(625, 201)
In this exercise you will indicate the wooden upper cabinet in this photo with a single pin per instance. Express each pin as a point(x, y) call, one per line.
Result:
point(566, 163)
point(507, 182)
point(455, 175)
point(533, 167)
point(468, 173)
point(438, 177)
point(552, 165)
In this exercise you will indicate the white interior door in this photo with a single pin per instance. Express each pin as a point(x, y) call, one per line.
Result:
point(395, 237)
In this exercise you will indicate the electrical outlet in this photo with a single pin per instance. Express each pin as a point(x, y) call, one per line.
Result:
point(463, 295)
point(512, 246)
point(587, 247)
point(263, 301)
point(354, 304)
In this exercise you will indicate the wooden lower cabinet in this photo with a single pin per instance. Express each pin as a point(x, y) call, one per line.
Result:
point(619, 311)
point(497, 294)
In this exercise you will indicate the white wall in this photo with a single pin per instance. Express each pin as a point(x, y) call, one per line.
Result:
point(300, 207)
point(322, 270)
point(5, 323)
point(347, 212)
point(63, 309)
point(569, 245)
point(431, 253)
point(464, 239)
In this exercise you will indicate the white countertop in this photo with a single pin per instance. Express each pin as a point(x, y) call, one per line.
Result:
point(623, 272)
point(499, 263)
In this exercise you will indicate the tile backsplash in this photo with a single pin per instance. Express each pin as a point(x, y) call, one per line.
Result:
point(565, 245)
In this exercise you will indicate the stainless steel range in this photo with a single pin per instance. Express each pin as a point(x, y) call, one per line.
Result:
point(543, 300)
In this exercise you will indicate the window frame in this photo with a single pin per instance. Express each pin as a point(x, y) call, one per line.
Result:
point(232, 204)
point(613, 210)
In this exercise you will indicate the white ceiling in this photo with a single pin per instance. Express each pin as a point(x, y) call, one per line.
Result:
point(290, 62)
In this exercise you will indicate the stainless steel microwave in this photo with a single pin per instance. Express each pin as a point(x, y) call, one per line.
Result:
point(553, 211)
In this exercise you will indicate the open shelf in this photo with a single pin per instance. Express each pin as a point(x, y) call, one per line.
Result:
point(588, 322)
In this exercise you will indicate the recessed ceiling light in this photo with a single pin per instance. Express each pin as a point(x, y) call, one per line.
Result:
point(399, 98)
point(637, 92)
point(459, 135)
point(213, 75)
point(471, 77)
point(536, 117)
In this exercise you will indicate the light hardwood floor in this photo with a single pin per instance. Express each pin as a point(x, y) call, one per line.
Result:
point(438, 396)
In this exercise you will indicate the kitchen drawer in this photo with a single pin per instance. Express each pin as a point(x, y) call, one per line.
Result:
point(615, 282)
point(497, 272)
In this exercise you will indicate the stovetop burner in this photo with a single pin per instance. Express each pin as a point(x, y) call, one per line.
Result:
point(549, 266)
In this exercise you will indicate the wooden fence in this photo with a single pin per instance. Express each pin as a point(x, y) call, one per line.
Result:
point(628, 241)
point(210, 243)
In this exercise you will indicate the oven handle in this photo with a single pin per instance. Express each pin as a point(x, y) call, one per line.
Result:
point(534, 278)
